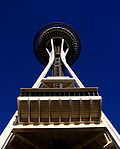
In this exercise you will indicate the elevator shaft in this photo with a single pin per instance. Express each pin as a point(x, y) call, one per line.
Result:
point(57, 68)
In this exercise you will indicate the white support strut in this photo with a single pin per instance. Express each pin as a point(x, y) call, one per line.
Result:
point(63, 57)
point(7, 133)
point(51, 60)
point(111, 131)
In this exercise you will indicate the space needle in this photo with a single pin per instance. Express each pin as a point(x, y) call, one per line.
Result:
point(58, 111)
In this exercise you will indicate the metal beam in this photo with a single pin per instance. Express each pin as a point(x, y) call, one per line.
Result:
point(27, 141)
point(87, 142)
point(7, 133)
point(9, 146)
point(108, 145)
point(115, 137)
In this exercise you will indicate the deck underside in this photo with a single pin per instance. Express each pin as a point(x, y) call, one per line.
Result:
point(49, 138)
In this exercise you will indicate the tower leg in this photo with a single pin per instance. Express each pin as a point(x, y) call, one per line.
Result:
point(51, 60)
point(7, 133)
point(63, 57)
point(111, 131)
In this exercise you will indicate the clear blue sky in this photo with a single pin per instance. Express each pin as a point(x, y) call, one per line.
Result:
point(98, 25)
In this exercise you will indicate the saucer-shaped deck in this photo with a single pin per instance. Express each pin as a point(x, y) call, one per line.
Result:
point(57, 32)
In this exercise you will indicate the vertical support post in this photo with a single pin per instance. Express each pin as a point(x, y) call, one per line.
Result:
point(39, 109)
point(59, 111)
point(90, 109)
point(49, 111)
point(28, 111)
point(80, 110)
point(70, 111)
